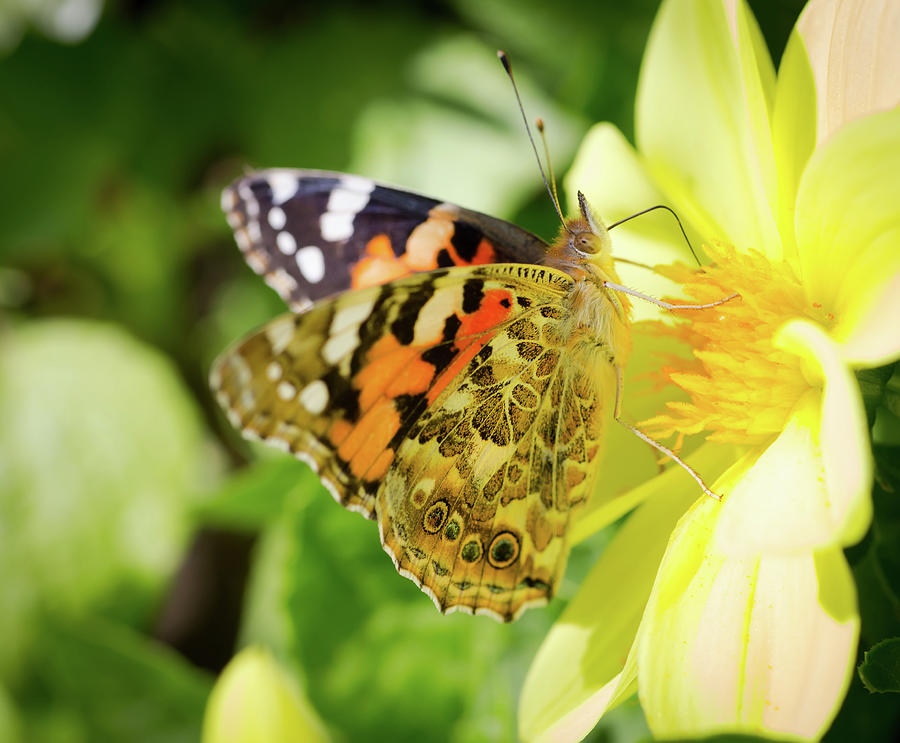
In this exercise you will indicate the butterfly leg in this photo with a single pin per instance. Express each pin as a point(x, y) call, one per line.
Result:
point(667, 305)
point(617, 414)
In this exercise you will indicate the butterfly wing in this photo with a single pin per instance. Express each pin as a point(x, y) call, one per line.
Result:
point(313, 233)
point(450, 406)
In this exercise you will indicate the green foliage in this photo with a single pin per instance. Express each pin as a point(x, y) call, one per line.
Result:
point(116, 683)
point(101, 453)
point(254, 496)
point(880, 670)
point(876, 570)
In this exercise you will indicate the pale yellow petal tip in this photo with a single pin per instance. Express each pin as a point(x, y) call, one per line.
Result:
point(854, 56)
point(744, 644)
point(575, 724)
point(256, 701)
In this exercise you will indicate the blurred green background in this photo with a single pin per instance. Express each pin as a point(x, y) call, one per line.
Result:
point(141, 541)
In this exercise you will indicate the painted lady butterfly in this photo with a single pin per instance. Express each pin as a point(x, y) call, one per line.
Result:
point(446, 373)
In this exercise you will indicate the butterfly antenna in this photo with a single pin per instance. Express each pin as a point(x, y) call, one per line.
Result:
point(672, 212)
point(504, 60)
point(552, 178)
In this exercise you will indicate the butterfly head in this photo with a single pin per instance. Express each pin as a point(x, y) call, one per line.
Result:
point(583, 243)
point(588, 236)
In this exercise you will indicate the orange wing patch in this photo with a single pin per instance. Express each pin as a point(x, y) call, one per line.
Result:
point(379, 264)
point(475, 330)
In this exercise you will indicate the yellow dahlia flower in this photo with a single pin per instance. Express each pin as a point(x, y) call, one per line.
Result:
point(741, 615)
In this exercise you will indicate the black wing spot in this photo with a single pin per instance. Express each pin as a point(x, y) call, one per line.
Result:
point(465, 240)
point(444, 259)
point(473, 293)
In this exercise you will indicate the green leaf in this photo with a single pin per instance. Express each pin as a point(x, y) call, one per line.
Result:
point(120, 684)
point(873, 386)
point(467, 145)
point(10, 725)
point(885, 547)
point(102, 456)
point(255, 496)
point(880, 669)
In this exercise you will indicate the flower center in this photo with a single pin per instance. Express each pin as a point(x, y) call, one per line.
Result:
point(741, 387)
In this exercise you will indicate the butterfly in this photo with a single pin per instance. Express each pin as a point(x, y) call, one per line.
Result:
point(446, 373)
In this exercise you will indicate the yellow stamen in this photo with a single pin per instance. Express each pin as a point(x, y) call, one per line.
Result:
point(741, 388)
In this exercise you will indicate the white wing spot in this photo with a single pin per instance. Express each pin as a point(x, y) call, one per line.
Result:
point(358, 184)
point(311, 262)
point(286, 391)
point(351, 316)
point(256, 261)
point(338, 346)
point(273, 371)
point(243, 240)
point(336, 227)
point(241, 369)
point(279, 332)
point(284, 185)
point(228, 200)
point(254, 231)
point(287, 431)
point(347, 200)
point(286, 243)
point(247, 399)
point(281, 281)
point(279, 443)
point(277, 217)
point(314, 397)
point(251, 205)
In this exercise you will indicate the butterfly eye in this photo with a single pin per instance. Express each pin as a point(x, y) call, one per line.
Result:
point(585, 244)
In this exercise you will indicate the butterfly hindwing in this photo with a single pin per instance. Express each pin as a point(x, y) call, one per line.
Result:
point(312, 234)
point(477, 506)
point(446, 405)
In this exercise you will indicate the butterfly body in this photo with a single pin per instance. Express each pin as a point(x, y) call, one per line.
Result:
point(458, 394)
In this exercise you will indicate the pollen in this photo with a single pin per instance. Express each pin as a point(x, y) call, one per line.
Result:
point(740, 387)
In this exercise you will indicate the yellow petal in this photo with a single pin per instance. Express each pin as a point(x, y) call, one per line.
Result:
point(606, 506)
point(793, 134)
point(848, 236)
point(743, 644)
point(855, 57)
point(256, 701)
point(843, 433)
point(810, 488)
point(610, 174)
point(702, 119)
point(580, 670)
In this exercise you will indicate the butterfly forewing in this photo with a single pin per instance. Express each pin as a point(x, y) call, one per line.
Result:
point(446, 405)
point(312, 234)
